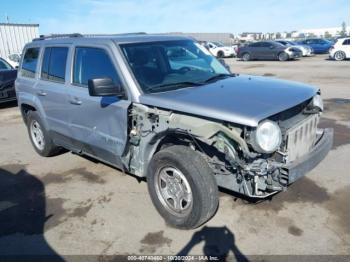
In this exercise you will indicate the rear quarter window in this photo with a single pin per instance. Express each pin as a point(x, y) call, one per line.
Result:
point(30, 61)
point(346, 42)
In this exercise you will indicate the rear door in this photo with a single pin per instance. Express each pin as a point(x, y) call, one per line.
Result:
point(255, 50)
point(97, 124)
point(51, 90)
point(268, 50)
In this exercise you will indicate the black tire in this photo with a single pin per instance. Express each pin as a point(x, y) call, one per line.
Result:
point(49, 148)
point(339, 56)
point(246, 57)
point(221, 54)
point(200, 178)
point(283, 56)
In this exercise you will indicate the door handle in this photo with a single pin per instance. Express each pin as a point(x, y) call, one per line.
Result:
point(75, 101)
point(41, 93)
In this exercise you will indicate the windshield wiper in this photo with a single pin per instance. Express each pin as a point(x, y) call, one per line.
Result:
point(170, 85)
point(218, 76)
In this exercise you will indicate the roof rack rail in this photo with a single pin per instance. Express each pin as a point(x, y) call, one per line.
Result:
point(120, 34)
point(52, 36)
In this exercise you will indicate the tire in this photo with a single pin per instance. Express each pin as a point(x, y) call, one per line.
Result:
point(194, 177)
point(37, 133)
point(220, 54)
point(339, 56)
point(246, 57)
point(283, 56)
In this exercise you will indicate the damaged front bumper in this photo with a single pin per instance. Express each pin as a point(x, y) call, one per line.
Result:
point(303, 165)
point(263, 178)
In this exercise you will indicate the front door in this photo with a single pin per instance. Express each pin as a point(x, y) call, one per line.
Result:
point(98, 124)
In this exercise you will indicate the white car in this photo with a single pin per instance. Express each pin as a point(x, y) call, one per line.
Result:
point(219, 50)
point(306, 50)
point(340, 50)
point(13, 59)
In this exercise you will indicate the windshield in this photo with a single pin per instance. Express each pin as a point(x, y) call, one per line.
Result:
point(168, 65)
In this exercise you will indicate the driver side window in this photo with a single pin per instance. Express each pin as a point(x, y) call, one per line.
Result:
point(90, 63)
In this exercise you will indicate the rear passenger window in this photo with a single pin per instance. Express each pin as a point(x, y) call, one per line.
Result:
point(90, 63)
point(30, 62)
point(346, 42)
point(54, 64)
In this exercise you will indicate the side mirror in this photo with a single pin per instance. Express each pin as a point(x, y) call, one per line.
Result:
point(104, 87)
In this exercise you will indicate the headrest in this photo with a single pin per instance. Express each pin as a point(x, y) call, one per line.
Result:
point(140, 57)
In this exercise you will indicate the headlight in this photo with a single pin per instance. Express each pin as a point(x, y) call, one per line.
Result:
point(267, 137)
point(317, 102)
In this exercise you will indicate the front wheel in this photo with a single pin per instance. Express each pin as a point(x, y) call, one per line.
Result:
point(339, 56)
point(283, 56)
point(182, 187)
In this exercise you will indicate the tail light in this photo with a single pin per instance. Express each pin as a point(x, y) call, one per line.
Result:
point(237, 49)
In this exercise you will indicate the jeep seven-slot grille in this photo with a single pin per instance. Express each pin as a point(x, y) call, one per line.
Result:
point(301, 138)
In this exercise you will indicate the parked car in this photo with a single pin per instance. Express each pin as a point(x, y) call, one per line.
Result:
point(219, 50)
point(181, 119)
point(319, 45)
point(13, 59)
point(7, 80)
point(268, 50)
point(341, 49)
point(306, 50)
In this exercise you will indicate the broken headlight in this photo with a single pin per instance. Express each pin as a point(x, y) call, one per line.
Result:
point(267, 137)
point(317, 102)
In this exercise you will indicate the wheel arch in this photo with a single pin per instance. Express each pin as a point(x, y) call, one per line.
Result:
point(163, 140)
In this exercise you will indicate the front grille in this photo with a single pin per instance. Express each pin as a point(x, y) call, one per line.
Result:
point(301, 138)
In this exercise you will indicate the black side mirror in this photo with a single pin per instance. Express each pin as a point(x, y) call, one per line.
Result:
point(104, 87)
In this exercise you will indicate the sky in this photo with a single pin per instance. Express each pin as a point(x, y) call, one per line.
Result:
point(159, 16)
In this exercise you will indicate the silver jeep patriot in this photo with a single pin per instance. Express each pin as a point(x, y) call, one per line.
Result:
point(163, 108)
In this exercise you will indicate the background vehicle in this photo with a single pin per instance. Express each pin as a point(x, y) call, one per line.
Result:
point(268, 50)
point(306, 50)
point(13, 59)
point(7, 80)
point(319, 45)
point(219, 50)
point(341, 49)
point(171, 112)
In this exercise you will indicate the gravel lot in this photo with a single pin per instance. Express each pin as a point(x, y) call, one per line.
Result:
point(69, 205)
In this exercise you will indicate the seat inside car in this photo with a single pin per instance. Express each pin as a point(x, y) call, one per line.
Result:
point(149, 65)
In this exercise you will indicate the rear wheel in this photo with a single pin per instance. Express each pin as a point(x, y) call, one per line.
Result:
point(39, 137)
point(246, 57)
point(283, 56)
point(182, 187)
point(339, 55)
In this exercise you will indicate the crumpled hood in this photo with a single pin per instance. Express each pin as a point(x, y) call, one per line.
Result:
point(242, 99)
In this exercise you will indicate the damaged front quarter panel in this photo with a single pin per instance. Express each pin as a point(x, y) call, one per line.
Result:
point(234, 165)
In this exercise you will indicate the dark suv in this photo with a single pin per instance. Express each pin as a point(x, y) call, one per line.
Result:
point(7, 82)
